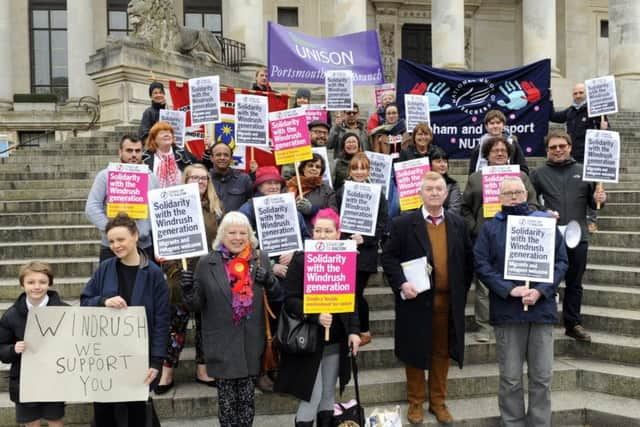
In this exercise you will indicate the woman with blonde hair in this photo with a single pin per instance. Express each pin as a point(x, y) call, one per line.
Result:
point(212, 212)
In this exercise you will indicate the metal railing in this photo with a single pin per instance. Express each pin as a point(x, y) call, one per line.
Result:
point(233, 52)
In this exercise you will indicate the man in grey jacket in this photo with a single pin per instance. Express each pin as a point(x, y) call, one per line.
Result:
point(130, 151)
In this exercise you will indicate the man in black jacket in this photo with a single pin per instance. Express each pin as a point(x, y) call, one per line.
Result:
point(152, 114)
point(564, 194)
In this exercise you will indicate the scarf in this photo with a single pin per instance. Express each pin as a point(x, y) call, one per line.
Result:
point(519, 209)
point(168, 170)
point(239, 275)
point(309, 183)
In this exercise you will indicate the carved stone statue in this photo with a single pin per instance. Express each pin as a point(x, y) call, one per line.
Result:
point(155, 23)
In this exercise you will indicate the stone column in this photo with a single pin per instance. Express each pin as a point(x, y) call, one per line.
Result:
point(447, 34)
point(539, 32)
point(243, 20)
point(80, 46)
point(350, 16)
point(6, 76)
point(624, 45)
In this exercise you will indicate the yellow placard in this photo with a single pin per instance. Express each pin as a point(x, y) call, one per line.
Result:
point(329, 303)
point(410, 202)
point(134, 210)
point(489, 210)
point(292, 155)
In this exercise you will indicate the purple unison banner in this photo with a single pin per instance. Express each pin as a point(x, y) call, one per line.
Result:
point(458, 102)
point(298, 58)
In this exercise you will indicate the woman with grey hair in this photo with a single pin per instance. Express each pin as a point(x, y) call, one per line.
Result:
point(227, 288)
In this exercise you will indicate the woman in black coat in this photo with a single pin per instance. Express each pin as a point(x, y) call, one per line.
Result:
point(304, 375)
point(367, 260)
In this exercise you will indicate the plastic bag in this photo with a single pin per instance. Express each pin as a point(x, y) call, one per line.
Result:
point(384, 418)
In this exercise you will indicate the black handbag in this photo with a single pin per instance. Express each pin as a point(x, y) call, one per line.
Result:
point(296, 336)
point(353, 416)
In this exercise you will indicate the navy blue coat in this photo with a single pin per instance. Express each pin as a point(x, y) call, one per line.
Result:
point(150, 291)
point(489, 252)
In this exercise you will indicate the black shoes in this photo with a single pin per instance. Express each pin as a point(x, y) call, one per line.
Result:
point(162, 389)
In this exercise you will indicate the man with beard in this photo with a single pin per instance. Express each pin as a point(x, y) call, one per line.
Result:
point(130, 151)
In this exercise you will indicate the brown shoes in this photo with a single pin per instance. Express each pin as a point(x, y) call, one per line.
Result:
point(578, 333)
point(415, 414)
point(442, 414)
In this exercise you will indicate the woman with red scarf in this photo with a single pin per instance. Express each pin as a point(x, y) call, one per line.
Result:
point(227, 289)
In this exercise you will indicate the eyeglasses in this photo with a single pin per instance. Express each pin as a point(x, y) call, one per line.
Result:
point(351, 113)
point(511, 194)
point(194, 178)
point(558, 147)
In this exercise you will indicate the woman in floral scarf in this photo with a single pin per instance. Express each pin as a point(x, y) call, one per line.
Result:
point(227, 289)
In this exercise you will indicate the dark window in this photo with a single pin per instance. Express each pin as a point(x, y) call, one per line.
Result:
point(204, 14)
point(36, 138)
point(117, 18)
point(416, 43)
point(604, 28)
point(48, 25)
point(288, 16)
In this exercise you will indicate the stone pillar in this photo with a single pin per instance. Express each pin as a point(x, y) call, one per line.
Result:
point(350, 16)
point(447, 34)
point(6, 76)
point(624, 45)
point(539, 32)
point(80, 22)
point(243, 20)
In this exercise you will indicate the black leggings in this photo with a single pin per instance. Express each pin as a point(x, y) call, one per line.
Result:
point(362, 277)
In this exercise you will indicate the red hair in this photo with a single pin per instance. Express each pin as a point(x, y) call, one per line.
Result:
point(151, 145)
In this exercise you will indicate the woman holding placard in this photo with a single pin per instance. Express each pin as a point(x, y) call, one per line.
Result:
point(163, 156)
point(227, 288)
point(131, 279)
point(312, 377)
point(367, 260)
point(212, 212)
point(316, 195)
point(392, 119)
point(351, 145)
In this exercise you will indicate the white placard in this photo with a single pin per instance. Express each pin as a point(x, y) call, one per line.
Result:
point(204, 98)
point(339, 90)
point(277, 223)
point(359, 208)
point(177, 120)
point(530, 248)
point(380, 170)
point(322, 152)
point(252, 120)
point(601, 96)
point(417, 272)
point(177, 223)
point(85, 354)
point(416, 110)
point(601, 156)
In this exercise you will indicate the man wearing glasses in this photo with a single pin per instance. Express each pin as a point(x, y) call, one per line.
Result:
point(566, 196)
point(521, 335)
point(318, 134)
point(350, 123)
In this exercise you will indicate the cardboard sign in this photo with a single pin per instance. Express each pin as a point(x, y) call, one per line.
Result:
point(315, 112)
point(85, 354)
point(322, 152)
point(329, 276)
point(359, 208)
point(492, 177)
point(252, 120)
point(383, 89)
point(204, 98)
point(339, 90)
point(127, 188)
point(290, 135)
point(416, 109)
point(277, 223)
point(601, 156)
point(177, 119)
point(530, 248)
point(408, 179)
point(380, 170)
point(177, 223)
point(601, 96)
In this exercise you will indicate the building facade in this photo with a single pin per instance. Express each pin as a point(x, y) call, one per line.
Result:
point(45, 44)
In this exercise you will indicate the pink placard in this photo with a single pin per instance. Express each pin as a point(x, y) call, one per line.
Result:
point(492, 177)
point(290, 136)
point(127, 192)
point(408, 178)
point(315, 112)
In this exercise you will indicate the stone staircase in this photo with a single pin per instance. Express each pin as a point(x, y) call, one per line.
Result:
point(42, 197)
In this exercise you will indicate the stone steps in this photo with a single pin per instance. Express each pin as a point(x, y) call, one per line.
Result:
point(40, 184)
point(618, 223)
point(614, 256)
point(43, 218)
point(602, 274)
point(45, 249)
point(68, 267)
point(44, 205)
point(615, 209)
point(49, 233)
point(615, 238)
point(47, 175)
point(54, 193)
